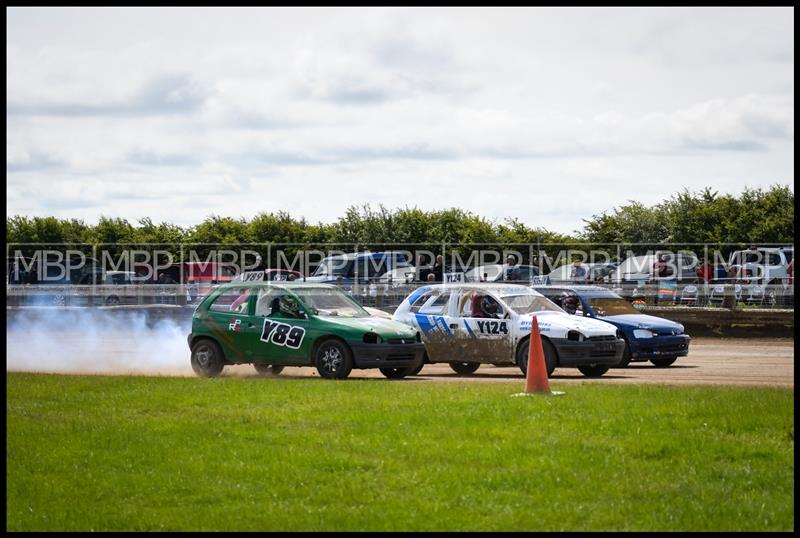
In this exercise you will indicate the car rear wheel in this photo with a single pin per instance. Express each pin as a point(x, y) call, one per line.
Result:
point(594, 370)
point(464, 368)
point(400, 373)
point(207, 358)
point(333, 360)
point(268, 370)
point(112, 300)
point(663, 363)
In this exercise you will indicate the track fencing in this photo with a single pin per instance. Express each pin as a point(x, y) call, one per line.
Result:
point(388, 296)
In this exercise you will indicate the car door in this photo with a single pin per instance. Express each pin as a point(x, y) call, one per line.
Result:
point(479, 338)
point(273, 334)
point(430, 314)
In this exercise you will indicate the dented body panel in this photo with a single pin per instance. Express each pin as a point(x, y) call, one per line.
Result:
point(451, 330)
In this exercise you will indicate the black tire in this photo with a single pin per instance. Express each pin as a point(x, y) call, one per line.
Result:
point(112, 300)
point(522, 355)
point(333, 359)
point(663, 363)
point(207, 358)
point(626, 356)
point(267, 370)
point(550, 356)
point(465, 368)
point(400, 373)
point(594, 370)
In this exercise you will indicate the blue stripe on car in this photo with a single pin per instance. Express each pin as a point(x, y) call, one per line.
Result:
point(469, 330)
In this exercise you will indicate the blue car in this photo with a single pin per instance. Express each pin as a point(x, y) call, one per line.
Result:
point(362, 267)
point(647, 338)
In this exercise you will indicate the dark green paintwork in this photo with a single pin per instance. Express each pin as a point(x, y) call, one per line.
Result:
point(246, 345)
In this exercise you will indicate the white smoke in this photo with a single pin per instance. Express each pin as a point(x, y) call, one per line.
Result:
point(90, 341)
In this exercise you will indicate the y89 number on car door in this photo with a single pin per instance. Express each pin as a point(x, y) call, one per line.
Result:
point(282, 334)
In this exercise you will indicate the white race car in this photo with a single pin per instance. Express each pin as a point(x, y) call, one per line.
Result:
point(471, 324)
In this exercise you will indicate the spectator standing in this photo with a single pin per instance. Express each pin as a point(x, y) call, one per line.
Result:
point(578, 272)
point(660, 269)
point(511, 271)
point(423, 270)
point(705, 273)
point(438, 268)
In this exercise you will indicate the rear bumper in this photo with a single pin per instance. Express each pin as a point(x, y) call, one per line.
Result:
point(386, 355)
point(660, 346)
point(572, 353)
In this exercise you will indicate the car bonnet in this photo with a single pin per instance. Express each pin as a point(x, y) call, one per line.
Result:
point(587, 326)
point(644, 321)
point(386, 328)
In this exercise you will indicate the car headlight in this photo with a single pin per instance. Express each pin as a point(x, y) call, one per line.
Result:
point(575, 336)
point(372, 338)
point(643, 333)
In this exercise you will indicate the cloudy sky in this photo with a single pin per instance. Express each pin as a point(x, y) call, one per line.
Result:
point(547, 115)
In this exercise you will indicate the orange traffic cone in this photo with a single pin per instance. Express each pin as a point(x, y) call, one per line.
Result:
point(536, 376)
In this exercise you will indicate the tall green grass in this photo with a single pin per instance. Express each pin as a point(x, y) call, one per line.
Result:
point(137, 453)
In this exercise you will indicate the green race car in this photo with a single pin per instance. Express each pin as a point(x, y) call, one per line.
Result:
point(277, 324)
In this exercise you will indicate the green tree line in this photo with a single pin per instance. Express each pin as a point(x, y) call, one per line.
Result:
point(753, 216)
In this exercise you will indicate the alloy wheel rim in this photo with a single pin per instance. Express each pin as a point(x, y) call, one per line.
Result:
point(332, 359)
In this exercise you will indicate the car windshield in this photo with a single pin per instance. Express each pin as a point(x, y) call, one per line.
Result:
point(611, 306)
point(335, 267)
point(330, 302)
point(528, 302)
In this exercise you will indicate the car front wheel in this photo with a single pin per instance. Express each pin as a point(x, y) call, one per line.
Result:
point(333, 360)
point(594, 370)
point(550, 356)
point(626, 356)
point(663, 363)
point(464, 368)
point(207, 358)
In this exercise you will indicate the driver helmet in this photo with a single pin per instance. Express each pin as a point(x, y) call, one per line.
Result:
point(489, 305)
point(569, 303)
point(288, 305)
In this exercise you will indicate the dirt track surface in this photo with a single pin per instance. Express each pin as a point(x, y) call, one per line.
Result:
point(717, 361)
point(725, 361)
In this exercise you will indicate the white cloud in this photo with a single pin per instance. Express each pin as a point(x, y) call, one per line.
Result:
point(543, 114)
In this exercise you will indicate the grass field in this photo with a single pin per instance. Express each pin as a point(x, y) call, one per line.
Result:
point(138, 453)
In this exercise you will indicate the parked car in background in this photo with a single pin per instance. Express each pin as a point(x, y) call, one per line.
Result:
point(638, 270)
point(398, 276)
point(277, 324)
point(361, 267)
point(761, 265)
point(269, 275)
point(123, 291)
point(467, 325)
point(593, 272)
point(647, 338)
point(502, 273)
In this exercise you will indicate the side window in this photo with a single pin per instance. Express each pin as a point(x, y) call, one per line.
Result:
point(120, 279)
point(432, 302)
point(264, 302)
point(476, 304)
point(234, 300)
point(373, 267)
point(277, 304)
